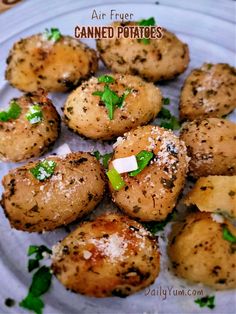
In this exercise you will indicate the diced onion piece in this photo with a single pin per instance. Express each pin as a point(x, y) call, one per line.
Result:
point(125, 164)
point(115, 179)
point(64, 149)
point(217, 218)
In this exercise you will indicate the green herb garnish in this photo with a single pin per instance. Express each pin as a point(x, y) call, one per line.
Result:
point(143, 158)
point(228, 236)
point(38, 252)
point(156, 226)
point(43, 170)
point(52, 34)
point(111, 100)
point(41, 282)
point(115, 179)
point(149, 22)
point(104, 158)
point(168, 121)
point(106, 79)
point(208, 301)
point(34, 114)
point(13, 112)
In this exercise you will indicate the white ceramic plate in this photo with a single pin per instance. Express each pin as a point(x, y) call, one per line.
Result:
point(209, 30)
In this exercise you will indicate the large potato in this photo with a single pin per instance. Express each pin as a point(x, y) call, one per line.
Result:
point(208, 92)
point(59, 66)
point(199, 253)
point(151, 194)
point(161, 59)
point(211, 146)
point(111, 256)
point(74, 189)
point(216, 194)
point(87, 114)
point(20, 139)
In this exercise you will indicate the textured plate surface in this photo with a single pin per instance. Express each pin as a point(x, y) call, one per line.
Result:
point(209, 30)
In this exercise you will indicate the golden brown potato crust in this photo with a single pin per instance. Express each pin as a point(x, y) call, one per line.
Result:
point(211, 146)
point(21, 140)
point(152, 194)
point(111, 256)
point(216, 194)
point(87, 115)
point(74, 189)
point(161, 59)
point(199, 253)
point(208, 92)
point(35, 62)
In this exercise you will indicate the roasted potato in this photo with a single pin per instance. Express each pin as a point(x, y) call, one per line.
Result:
point(208, 92)
point(86, 114)
point(199, 252)
point(161, 59)
point(211, 146)
point(20, 138)
point(151, 194)
point(56, 66)
point(215, 194)
point(110, 256)
point(33, 203)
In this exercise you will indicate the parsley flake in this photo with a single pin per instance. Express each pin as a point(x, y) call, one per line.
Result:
point(13, 112)
point(228, 236)
point(43, 170)
point(34, 114)
point(148, 22)
point(156, 226)
point(208, 301)
point(143, 158)
point(106, 79)
point(38, 251)
point(104, 158)
point(167, 120)
point(53, 34)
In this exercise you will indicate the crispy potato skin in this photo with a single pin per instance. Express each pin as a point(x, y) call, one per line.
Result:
point(161, 59)
point(216, 194)
point(199, 253)
point(87, 115)
point(111, 256)
point(35, 62)
point(208, 92)
point(152, 194)
point(21, 140)
point(210, 144)
point(74, 189)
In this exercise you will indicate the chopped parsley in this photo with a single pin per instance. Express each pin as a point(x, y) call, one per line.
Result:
point(115, 179)
point(106, 79)
point(148, 22)
point(13, 112)
point(143, 158)
point(53, 34)
point(104, 158)
point(207, 301)
point(110, 98)
point(167, 120)
point(34, 114)
point(43, 170)
point(156, 226)
point(41, 283)
point(228, 236)
point(38, 251)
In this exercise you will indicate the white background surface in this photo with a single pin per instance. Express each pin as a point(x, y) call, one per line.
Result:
point(208, 27)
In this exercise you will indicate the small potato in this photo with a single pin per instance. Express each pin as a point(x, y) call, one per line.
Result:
point(215, 194)
point(160, 59)
point(59, 66)
point(110, 256)
point(211, 146)
point(74, 189)
point(20, 139)
point(199, 253)
point(151, 194)
point(87, 114)
point(208, 92)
